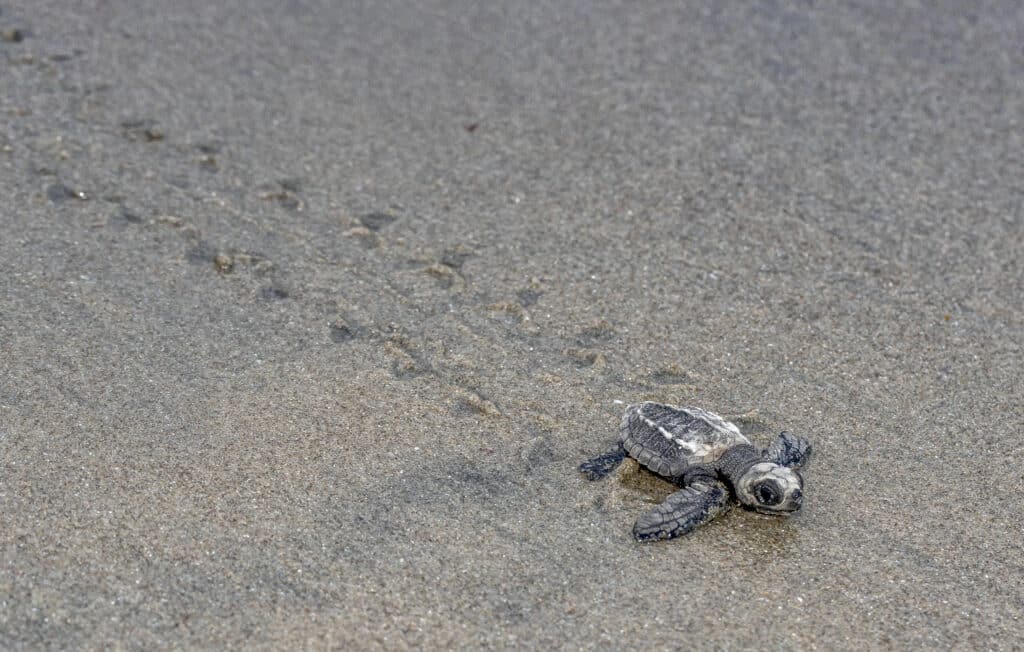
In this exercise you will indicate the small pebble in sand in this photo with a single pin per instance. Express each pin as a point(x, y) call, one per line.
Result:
point(12, 35)
point(224, 263)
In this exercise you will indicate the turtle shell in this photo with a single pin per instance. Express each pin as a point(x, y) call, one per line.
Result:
point(668, 439)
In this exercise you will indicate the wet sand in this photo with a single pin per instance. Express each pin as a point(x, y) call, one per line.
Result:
point(308, 315)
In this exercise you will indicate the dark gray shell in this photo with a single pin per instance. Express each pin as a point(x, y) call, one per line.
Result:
point(668, 439)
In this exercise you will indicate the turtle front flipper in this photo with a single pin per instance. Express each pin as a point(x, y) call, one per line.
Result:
point(789, 450)
point(602, 465)
point(683, 511)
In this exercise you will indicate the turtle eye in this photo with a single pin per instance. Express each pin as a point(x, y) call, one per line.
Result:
point(768, 493)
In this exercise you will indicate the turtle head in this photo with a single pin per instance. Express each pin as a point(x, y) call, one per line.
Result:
point(771, 488)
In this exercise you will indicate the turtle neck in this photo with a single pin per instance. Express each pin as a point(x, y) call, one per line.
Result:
point(736, 461)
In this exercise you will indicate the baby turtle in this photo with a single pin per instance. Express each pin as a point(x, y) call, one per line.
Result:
point(708, 457)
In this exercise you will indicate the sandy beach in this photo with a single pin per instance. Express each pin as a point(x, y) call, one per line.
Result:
point(310, 310)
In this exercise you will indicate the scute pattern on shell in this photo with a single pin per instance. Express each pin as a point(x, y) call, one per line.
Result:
point(668, 439)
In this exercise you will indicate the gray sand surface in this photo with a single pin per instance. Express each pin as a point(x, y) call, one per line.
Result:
point(308, 315)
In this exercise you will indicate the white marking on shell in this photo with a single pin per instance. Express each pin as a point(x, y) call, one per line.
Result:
point(714, 420)
point(666, 434)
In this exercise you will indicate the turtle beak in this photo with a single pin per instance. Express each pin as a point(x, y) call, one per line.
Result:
point(796, 499)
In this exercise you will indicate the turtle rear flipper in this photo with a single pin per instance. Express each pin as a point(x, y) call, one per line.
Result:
point(789, 450)
point(602, 465)
point(683, 511)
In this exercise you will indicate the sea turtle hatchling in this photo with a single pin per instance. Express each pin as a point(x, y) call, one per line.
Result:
point(708, 458)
